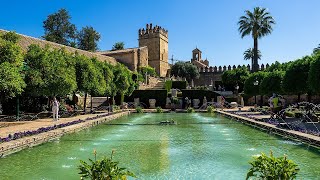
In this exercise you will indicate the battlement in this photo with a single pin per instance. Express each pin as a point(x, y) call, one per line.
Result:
point(150, 30)
point(221, 69)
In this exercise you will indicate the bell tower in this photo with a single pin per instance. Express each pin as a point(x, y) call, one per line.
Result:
point(156, 39)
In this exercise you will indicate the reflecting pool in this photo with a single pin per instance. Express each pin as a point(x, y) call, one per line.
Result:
point(200, 146)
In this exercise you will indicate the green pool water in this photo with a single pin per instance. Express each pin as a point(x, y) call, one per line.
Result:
point(201, 146)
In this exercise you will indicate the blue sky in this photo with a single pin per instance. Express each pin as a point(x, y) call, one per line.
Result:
point(210, 25)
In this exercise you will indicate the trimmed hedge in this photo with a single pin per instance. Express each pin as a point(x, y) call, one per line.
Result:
point(145, 95)
point(179, 84)
point(199, 94)
point(168, 85)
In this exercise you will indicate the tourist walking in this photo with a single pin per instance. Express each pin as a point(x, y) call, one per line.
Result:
point(55, 109)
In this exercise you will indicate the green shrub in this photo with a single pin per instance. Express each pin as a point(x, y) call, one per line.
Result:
point(103, 169)
point(115, 107)
point(210, 109)
point(139, 109)
point(290, 114)
point(179, 84)
point(264, 167)
point(175, 100)
point(190, 110)
point(159, 109)
point(147, 69)
point(168, 85)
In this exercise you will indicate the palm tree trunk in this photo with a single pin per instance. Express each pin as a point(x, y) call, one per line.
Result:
point(255, 55)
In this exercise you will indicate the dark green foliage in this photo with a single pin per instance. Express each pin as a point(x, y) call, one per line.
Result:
point(58, 28)
point(88, 39)
point(210, 109)
point(11, 82)
point(190, 110)
point(50, 72)
point(272, 83)
point(11, 66)
point(147, 70)
point(10, 37)
point(103, 169)
point(139, 109)
point(118, 46)
point(249, 87)
point(159, 110)
point(185, 70)
point(235, 77)
point(316, 50)
point(199, 94)
point(257, 23)
point(144, 95)
point(295, 78)
point(270, 168)
point(179, 84)
point(278, 66)
point(314, 74)
point(168, 85)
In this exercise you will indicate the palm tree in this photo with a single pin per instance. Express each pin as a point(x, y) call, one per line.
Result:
point(248, 55)
point(257, 23)
point(316, 50)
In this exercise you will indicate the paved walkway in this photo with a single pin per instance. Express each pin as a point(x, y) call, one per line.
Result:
point(7, 128)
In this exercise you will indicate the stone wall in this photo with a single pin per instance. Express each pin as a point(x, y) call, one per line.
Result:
point(132, 57)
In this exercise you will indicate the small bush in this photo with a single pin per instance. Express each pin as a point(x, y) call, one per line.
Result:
point(159, 109)
point(139, 109)
point(264, 167)
point(106, 168)
point(210, 109)
point(290, 114)
point(115, 107)
point(190, 110)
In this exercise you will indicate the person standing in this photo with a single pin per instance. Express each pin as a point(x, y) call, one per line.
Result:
point(55, 109)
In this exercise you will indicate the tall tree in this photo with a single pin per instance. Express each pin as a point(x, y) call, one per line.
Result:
point(185, 70)
point(314, 74)
point(251, 85)
point(316, 50)
point(118, 46)
point(58, 28)
point(294, 80)
point(272, 83)
point(235, 77)
point(249, 55)
point(88, 39)
point(257, 24)
point(50, 72)
point(11, 65)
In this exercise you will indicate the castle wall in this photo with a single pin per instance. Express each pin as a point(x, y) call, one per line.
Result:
point(132, 58)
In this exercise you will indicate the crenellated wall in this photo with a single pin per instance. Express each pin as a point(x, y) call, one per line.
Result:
point(213, 75)
point(226, 68)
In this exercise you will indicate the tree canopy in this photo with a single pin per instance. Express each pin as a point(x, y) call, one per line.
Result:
point(296, 75)
point(11, 66)
point(235, 77)
point(314, 74)
point(58, 28)
point(185, 70)
point(255, 78)
point(88, 39)
point(118, 46)
point(272, 83)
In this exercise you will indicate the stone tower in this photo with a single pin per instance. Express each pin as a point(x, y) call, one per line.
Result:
point(156, 39)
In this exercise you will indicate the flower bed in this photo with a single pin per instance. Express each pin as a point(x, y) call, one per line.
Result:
point(19, 135)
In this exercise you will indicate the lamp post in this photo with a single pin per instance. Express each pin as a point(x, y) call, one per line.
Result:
point(255, 83)
point(237, 89)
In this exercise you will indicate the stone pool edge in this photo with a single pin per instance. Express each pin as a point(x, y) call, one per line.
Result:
point(295, 135)
point(14, 146)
